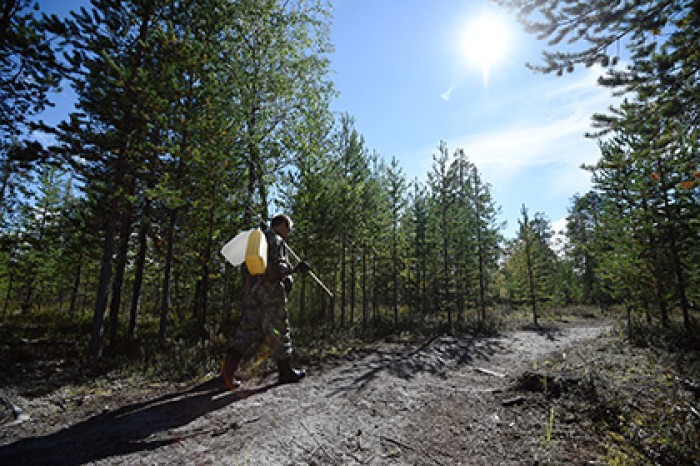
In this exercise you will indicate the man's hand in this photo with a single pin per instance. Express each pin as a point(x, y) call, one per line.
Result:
point(302, 267)
point(288, 283)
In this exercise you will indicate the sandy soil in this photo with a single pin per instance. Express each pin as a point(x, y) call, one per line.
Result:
point(444, 401)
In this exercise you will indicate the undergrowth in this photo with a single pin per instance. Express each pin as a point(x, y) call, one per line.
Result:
point(645, 386)
point(656, 393)
point(59, 341)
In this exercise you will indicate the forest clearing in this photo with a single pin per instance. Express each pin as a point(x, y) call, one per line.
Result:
point(572, 391)
point(526, 295)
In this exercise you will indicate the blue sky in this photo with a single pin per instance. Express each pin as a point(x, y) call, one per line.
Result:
point(402, 70)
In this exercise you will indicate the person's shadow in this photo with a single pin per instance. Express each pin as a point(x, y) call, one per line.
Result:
point(128, 428)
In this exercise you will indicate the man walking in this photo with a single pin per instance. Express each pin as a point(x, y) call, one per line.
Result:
point(265, 314)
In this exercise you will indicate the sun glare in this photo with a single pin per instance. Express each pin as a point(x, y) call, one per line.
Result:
point(485, 41)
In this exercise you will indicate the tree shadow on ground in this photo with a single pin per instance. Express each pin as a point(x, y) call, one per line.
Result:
point(142, 426)
point(549, 331)
point(435, 357)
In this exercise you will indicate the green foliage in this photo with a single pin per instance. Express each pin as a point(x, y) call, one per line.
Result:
point(531, 266)
point(643, 236)
point(29, 71)
point(640, 247)
point(582, 227)
point(176, 102)
point(661, 37)
point(198, 119)
point(461, 234)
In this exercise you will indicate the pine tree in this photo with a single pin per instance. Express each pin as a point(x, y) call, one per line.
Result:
point(582, 227)
point(656, 131)
point(395, 184)
point(417, 234)
point(353, 173)
point(488, 238)
point(40, 241)
point(662, 39)
point(645, 178)
point(464, 232)
point(441, 187)
point(112, 70)
point(281, 92)
point(29, 71)
point(530, 264)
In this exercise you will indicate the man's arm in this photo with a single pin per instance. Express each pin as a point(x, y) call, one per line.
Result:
point(278, 265)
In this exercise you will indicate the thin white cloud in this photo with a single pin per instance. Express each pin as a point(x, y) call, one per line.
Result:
point(447, 94)
point(549, 134)
point(526, 145)
point(567, 180)
point(586, 81)
point(502, 155)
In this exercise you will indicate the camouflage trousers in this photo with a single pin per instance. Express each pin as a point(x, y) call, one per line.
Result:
point(265, 319)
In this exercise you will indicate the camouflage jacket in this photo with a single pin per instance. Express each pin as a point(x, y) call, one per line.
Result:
point(270, 286)
point(249, 282)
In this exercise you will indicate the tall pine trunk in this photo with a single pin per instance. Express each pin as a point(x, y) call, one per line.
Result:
point(342, 284)
point(657, 268)
point(115, 214)
point(202, 297)
point(139, 268)
point(352, 287)
point(8, 294)
point(674, 250)
point(445, 258)
point(119, 268)
point(103, 286)
point(108, 247)
point(167, 276)
point(394, 276)
point(6, 172)
point(75, 292)
point(480, 251)
point(375, 304)
point(364, 288)
point(531, 279)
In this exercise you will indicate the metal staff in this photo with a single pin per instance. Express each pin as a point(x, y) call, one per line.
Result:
point(313, 275)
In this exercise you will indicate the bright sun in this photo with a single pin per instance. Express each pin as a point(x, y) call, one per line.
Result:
point(485, 41)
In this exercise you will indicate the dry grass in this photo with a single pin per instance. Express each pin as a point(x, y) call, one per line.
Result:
point(640, 400)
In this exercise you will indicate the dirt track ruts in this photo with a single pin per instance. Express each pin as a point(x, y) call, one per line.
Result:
point(438, 402)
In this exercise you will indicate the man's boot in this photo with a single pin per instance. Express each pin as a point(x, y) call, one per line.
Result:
point(287, 374)
point(229, 366)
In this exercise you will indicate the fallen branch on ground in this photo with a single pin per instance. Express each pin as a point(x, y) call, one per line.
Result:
point(489, 372)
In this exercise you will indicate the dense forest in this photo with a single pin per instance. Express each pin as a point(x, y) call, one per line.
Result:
point(196, 120)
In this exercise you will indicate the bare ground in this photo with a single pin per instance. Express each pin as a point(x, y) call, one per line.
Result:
point(444, 401)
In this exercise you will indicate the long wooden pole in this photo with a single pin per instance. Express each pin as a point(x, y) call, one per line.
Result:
point(313, 275)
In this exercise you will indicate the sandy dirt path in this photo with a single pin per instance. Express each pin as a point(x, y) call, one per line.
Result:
point(443, 401)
